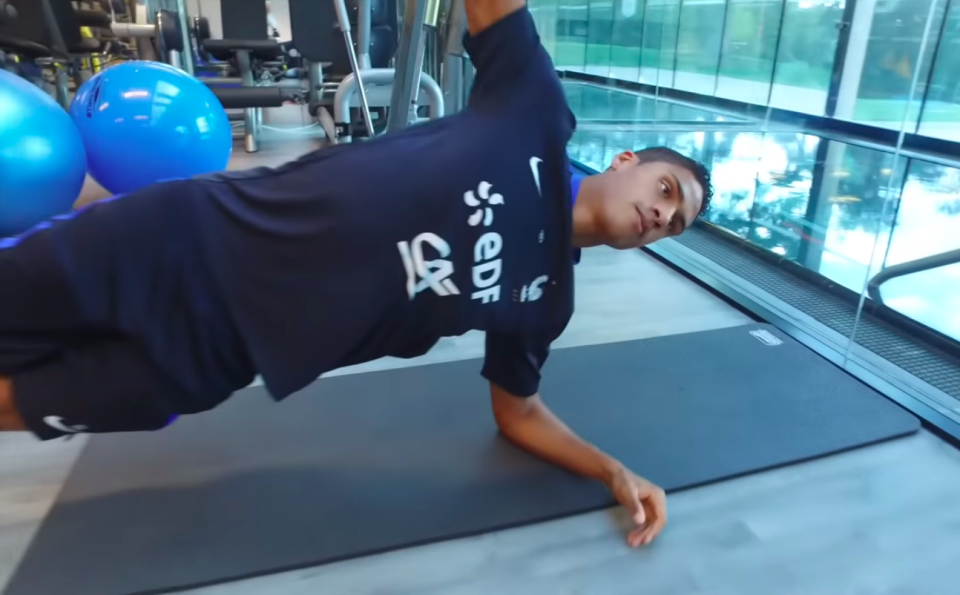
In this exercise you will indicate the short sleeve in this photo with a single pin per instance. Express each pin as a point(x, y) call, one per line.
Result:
point(513, 360)
point(512, 65)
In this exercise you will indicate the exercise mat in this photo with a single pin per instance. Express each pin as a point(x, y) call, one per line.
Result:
point(366, 463)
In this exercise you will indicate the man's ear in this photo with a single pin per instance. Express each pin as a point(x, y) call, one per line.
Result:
point(625, 158)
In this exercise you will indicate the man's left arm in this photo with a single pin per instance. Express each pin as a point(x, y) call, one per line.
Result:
point(528, 422)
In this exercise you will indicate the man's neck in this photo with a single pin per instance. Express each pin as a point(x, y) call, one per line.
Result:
point(585, 229)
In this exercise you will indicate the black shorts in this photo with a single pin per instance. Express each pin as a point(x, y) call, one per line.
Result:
point(108, 322)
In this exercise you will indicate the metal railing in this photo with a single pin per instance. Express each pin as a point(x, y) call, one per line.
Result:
point(909, 268)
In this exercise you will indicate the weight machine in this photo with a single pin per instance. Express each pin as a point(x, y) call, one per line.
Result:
point(399, 91)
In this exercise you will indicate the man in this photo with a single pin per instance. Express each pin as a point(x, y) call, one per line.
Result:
point(166, 301)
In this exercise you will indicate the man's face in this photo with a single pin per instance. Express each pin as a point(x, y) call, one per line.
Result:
point(647, 202)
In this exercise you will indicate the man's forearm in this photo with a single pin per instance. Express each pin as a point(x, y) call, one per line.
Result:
point(537, 430)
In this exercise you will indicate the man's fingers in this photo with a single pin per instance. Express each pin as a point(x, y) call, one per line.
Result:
point(655, 501)
point(637, 511)
point(651, 518)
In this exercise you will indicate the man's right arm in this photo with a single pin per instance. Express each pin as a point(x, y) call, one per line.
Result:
point(511, 63)
point(529, 423)
point(512, 365)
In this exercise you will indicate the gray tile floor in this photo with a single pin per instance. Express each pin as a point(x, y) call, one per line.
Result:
point(878, 521)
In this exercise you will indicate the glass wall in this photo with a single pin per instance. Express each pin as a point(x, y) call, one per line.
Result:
point(941, 111)
point(847, 210)
point(749, 50)
point(885, 63)
point(806, 55)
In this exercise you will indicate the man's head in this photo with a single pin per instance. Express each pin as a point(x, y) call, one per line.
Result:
point(643, 197)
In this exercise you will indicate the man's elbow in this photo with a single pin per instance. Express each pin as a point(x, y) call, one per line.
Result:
point(511, 411)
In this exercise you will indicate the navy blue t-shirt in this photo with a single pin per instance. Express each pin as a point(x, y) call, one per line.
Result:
point(360, 251)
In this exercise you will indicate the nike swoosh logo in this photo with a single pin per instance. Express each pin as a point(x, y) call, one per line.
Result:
point(535, 170)
point(56, 422)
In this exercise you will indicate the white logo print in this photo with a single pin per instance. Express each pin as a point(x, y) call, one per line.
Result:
point(535, 169)
point(432, 273)
point(483, 213)
point(532, 292)
point(56, 422)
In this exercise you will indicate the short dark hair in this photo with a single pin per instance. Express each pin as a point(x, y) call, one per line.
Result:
point(699, 170)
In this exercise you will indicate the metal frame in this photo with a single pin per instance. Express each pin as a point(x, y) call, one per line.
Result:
point(251, 135)
point(454, 58)
point(643, 34)
point(405, 81)
point(351, 86)
point(909, 268)
point(186, 56)
point(723, 39)
point(344, 20)
point(840, 58)
point(813, 204)
point(776, 55)
point(409, 63)
point(933, 65)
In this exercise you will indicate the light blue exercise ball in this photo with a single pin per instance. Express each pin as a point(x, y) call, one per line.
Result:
point(146, 122)
point(42, 162)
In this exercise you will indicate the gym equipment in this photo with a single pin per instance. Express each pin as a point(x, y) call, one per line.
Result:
point(384, 78)
point(366, 463)
point(76, 43)
point(246, 17)
point(456, 69)
point(47, 33)
point(361, 89)
point(144, 122)
point(42, 162)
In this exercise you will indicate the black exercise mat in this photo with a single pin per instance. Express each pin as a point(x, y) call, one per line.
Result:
point(371, 462)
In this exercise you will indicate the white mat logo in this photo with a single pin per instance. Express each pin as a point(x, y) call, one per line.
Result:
point(766, 337)
point(433, 274)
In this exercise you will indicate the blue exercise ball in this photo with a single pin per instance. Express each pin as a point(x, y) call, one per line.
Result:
point(42, 162)
point(146, 122)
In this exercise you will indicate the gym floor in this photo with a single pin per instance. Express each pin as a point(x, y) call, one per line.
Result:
point(877, 521)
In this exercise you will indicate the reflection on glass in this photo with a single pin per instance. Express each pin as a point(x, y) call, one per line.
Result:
point(749, 49)
point(763, 184)
point(808, 45)
point(698, 46)
point(818, 202)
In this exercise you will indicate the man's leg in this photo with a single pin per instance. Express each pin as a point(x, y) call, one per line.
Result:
point(10, 420)
point(111, 385)
point(38, 316)
point(58, 373)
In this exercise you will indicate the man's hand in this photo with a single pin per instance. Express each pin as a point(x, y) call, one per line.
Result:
point(532, 426)
point(646, 502)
